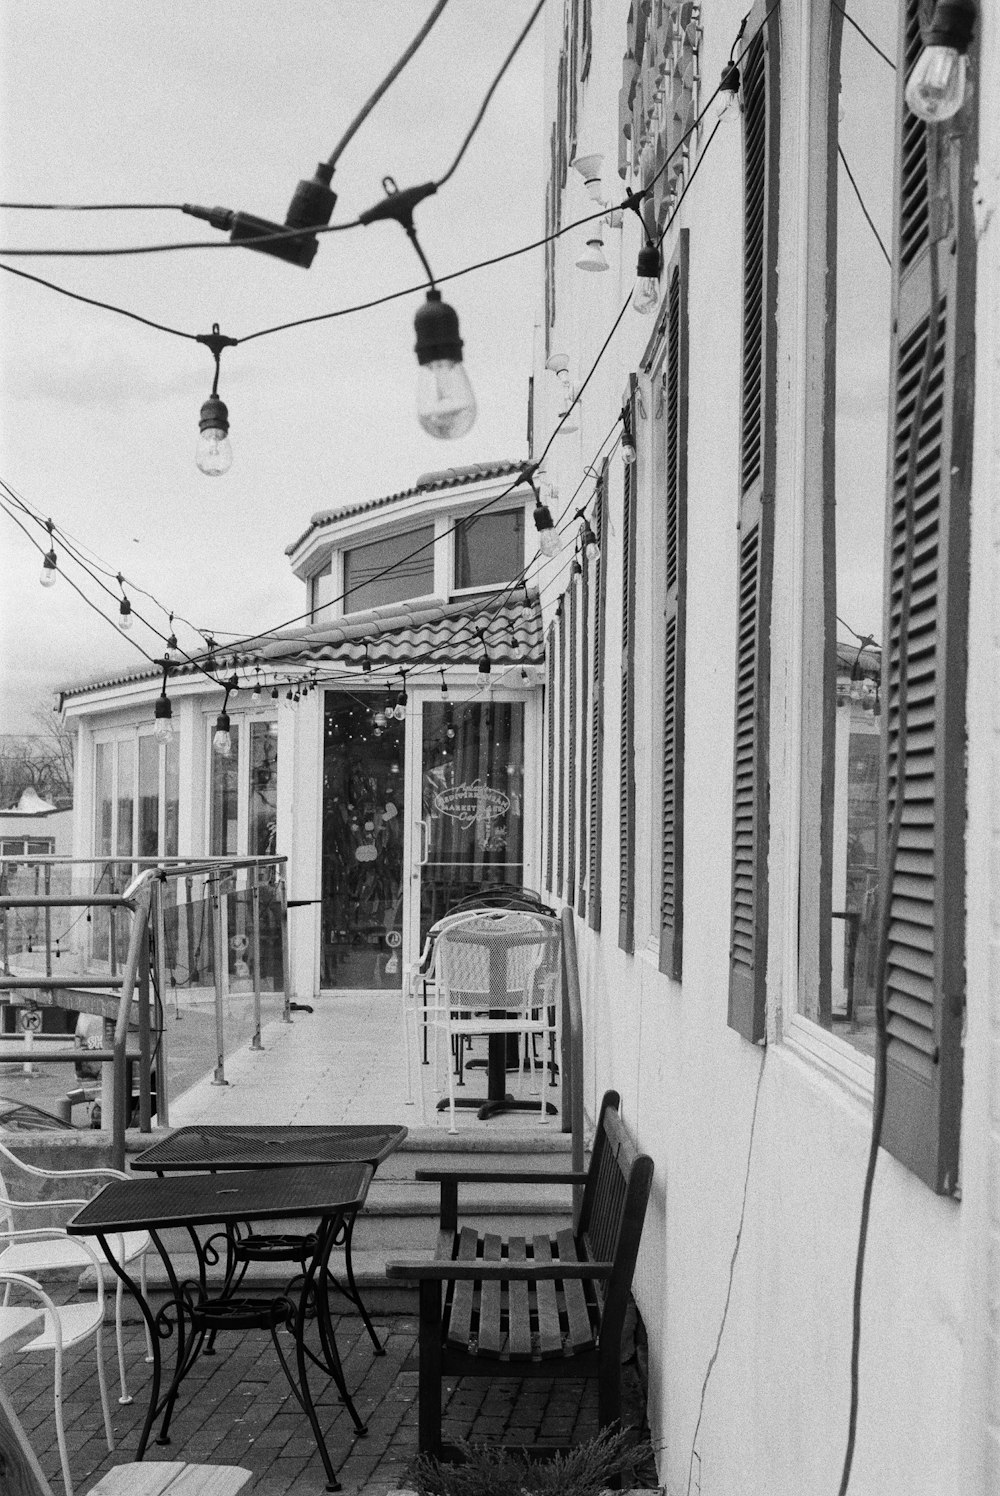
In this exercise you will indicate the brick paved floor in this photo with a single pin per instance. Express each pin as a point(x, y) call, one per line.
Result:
point(236, 1408)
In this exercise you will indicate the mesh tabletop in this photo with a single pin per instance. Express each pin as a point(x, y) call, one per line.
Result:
point(201, 1199)
point(249, 1147)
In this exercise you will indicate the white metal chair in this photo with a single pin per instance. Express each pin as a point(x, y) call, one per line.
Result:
point(64, 1326)
point(497, 973)
point(422, 1012)
point(31, 1196)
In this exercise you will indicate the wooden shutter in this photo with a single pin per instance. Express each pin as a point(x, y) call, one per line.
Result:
point(571, 739)
point(626, 726)
point(674, 498)
point(550, 758)
point(584, 668)
point(924, 674)
point(596, 707)
point(562, 744)
point(748, 948)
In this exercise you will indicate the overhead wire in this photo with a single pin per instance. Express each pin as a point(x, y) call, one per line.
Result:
point(863, 33)
point(868, 217)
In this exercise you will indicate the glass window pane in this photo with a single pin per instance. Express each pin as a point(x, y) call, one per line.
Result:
point(149, 796)
point(364, 588)
point(172, 795)
point(489, 548)
point(102, 800)
point(225, 798)
point(321, 591)
point(126, 796)
point(263, 799)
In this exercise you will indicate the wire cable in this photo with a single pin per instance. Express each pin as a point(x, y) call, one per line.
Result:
point(862, 32)
point(94, 207)
point(868, 217)
point(385, 85)
point(106, 306)
point(490, 92)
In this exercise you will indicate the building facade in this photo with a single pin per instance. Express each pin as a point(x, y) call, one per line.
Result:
point(770, 785)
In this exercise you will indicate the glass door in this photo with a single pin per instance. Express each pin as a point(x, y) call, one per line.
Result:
point(470, 834)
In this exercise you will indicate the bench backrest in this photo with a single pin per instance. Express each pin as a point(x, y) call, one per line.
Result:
point(614, 1202)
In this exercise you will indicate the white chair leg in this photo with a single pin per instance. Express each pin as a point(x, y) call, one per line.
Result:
point(120, 1341)
point(409, 1011)
point(451, 1084)
point(145, 1324)
point(60, 1431)
point(103, 1384)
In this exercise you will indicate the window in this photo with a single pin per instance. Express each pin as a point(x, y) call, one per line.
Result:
point(27, 846)
point(224, 798)
point(321, 594)
point(842, 818)
point(243, 790)
point(263, 799)
point(748, 939)
point(489, 548)
point(365, 586)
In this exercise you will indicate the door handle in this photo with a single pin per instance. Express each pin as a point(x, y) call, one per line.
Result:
point(425, 842)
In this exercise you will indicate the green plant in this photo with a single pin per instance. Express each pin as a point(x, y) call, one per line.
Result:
point(492, 1470)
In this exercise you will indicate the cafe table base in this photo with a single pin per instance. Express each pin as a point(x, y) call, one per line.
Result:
point(201, 1308)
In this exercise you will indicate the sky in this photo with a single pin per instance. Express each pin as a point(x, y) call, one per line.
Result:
point(230, 104)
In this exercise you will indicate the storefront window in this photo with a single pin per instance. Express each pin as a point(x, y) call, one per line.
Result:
point(126, 796)
point(171, 796)
point(263, 801)
point(149, 796)
point(225, 799)
point(411, 575)
point(103, 808)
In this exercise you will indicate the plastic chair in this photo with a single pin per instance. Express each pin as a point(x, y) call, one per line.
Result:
point(65, 1325)
point(497, 973)
point(422, 1012)
point(58, 1251)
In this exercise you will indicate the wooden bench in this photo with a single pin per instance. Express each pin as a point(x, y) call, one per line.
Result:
point(522, 1306)
point(21, 1474)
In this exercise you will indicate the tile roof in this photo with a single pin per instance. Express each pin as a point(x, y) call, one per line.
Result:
point(475, 472)
point(405, 634)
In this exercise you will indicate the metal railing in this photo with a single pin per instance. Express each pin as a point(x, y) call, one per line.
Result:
point(144, 970)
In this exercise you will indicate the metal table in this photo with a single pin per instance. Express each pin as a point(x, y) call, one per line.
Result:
point(332, 1194)
point(209, 1149)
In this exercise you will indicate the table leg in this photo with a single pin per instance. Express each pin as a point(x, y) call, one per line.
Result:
point(351, 1291)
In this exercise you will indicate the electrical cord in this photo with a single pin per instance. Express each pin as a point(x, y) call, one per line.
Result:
point(105, 306)
point(868, 217)
point(732, 1269)
point(862, 32)
point(94, 207)
point(892, 850)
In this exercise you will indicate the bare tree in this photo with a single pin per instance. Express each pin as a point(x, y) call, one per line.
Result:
point(42, 760)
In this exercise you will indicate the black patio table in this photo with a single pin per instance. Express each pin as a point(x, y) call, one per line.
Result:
point(210, 1149)
point(332, 1194)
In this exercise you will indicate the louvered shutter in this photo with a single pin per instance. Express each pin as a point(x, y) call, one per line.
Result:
point(562, 746)
point(596, 707)
point(924, 673)
point(748, 948)
point(674, 499)
point(550, 758)
point(626, 726)
point(571, 739)
point(584, 668)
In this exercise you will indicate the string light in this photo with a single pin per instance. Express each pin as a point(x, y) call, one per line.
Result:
point(444, 685)
point(214, 453)
point(588, 540)
point(628, 440)
point(50, 561)
point(125, 619)
point(366, 664)
point(935, 89)
point(164, 729)
point(727, 100)
point(222, 743)
point(484, 664)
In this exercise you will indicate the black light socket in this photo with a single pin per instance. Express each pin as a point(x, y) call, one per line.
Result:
point(214, 416)
point(436, 326)
point(314, 201)
point(951, 25)
point(649, 263)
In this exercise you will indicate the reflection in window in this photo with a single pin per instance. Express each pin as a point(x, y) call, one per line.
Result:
point(413, 577)
point(263, 801)
point(126, 796)
point(171, 796)
point(489, 548)
point(225, 799)
point(102, 799)
point(841, 994)
point(149, 796)
point(321, 592)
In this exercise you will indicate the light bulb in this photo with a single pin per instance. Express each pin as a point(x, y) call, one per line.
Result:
point(727, 100)
point(380, 719)
point(214, 454)
point(49, 573)
point(163, 732)
point(484, 665)
point(222, 743)
point(400, 712)
point(446, 406)
point(593, 256)
point(935, 89)
point(549, 543)
point(646, 296)
point(628, 449)
point(255, 695)
point(125, 619)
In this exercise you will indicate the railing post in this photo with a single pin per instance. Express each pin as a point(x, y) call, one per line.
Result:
point(189, 927)
point(286, 963)
point(572, 1050)
point(255, 953)
point(159, 935)
point(47, 885)
point(145, 1110)
point(219, 1078)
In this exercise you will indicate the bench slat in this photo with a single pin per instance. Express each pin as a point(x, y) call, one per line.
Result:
point(518, 1305)
point(490, 1302)
point(549, 1328)
point(169, 1478)
point(460, 1319)
point(581, 1331)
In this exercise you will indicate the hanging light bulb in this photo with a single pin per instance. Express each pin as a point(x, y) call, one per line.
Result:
point(125, 619)
point(593, 256)
point(548, 536)
point(163, 732)
point(526, 609)
point(646, 296)
point(222, 743)
point(727, 100)
point(214, 453)
point(49, 569)
point(935, 89)
point(589, 168)
point(588, 540)
point(255, 694)
point(628, 440)
point(366, 664)
point(172, 651)
point(446, 406)
point(484, 664)
point(380, 720)
point(274, 693)
point(444, 685)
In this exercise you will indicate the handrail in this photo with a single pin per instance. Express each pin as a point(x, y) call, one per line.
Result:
point(137, 940)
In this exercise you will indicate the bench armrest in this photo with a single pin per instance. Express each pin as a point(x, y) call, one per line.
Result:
point(496, 1272)
point(504, 1176)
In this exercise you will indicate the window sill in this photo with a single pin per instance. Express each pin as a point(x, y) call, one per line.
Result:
point(834, 1057)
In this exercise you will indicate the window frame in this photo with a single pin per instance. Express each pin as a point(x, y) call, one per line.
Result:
point(454, 521)
point(244, 721)
point(115, 736)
